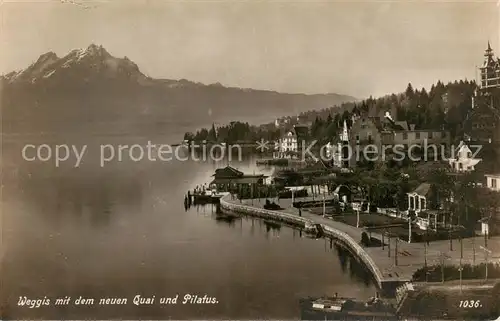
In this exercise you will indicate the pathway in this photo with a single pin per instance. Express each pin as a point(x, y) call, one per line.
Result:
point(411, 256)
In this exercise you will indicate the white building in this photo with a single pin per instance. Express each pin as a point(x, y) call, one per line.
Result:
point(287, 146)
point(417, 200)
point(463, 160)
point(493, 182)
point(485, 226)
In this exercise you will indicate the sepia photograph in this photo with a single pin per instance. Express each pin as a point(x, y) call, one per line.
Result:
point(250, 160)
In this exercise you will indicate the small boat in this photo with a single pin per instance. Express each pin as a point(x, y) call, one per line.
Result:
point(310, 228)
point(339, 308)
point(206, 197)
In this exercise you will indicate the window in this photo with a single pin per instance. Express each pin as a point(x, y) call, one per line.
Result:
point(357, 138)
point(417, 135)
point(430, 135)
point(443, 134)
point(494, 183)
point(405, 136)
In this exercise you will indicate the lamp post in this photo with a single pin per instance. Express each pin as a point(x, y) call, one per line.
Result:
point(486, 252)
point(461, 248)
point(486, 232)
point(425, 255)
point(251, 191)
point(449, 236)
point(389, 245)
point(442, 266)
point(409, 230)
point(396, 253)
point(473, 250)
point(460, 269)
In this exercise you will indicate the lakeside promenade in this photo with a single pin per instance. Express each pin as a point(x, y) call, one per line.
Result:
point(410, 256)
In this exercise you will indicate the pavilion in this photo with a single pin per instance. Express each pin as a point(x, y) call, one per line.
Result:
point(229, 179)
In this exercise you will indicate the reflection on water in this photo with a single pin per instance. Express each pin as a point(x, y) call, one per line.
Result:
point(122, 230)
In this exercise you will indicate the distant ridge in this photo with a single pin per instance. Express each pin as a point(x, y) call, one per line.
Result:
point(91, 90)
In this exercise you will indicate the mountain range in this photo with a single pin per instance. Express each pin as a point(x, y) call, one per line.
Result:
point(89, 91)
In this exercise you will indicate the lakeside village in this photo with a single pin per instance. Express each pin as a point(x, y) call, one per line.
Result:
point(428, 231)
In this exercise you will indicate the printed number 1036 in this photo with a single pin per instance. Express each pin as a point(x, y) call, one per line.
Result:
point(470, 304)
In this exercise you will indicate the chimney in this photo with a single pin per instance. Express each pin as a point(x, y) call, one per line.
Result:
point(412, 127)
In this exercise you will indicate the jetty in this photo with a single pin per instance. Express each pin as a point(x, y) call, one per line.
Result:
point(391, 265)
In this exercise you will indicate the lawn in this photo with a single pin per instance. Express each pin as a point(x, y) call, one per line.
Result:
point(396, 227)
point(369, 220)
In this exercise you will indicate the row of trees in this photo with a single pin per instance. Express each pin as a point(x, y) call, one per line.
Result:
point(232, 133)
point(463, 198)
point(440, 107)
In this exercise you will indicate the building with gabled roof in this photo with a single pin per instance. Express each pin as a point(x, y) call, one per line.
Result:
point(490, 70)
point(229, 178)
point(291, 142)
point(381, 132)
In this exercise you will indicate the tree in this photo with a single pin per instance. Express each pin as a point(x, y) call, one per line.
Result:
point(212, 134)
point(188, 136)
point(409, 92)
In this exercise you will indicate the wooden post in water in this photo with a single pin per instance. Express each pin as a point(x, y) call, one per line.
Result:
point(251, 191)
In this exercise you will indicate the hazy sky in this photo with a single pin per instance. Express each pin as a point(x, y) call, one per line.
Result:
point(359, 48)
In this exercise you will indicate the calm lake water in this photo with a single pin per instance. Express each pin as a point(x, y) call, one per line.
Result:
point(121, 230)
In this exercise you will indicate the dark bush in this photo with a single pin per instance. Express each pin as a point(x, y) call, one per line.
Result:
point(434, 273)
point(288, 194)
point(272, 206)
point(365, 239)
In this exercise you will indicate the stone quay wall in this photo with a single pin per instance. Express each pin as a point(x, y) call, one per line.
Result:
point(302, 222)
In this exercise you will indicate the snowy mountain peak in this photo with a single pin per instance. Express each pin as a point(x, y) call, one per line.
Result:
point(93, 61)
point(94, 50)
